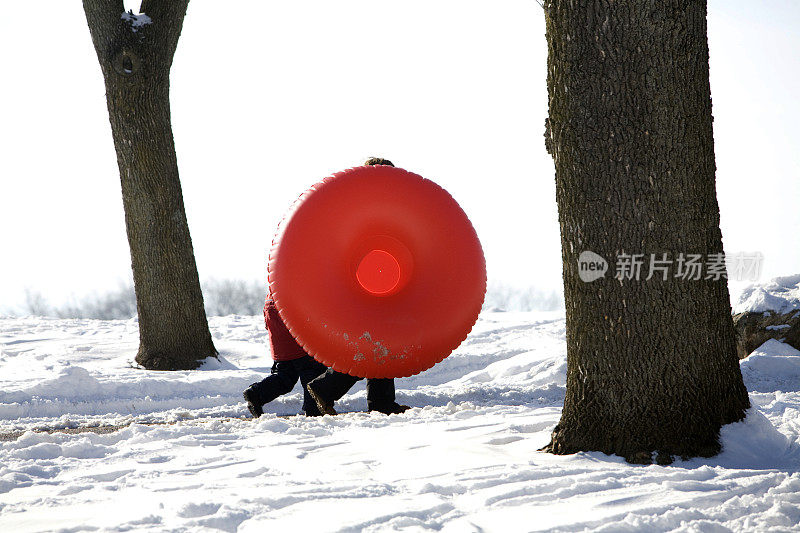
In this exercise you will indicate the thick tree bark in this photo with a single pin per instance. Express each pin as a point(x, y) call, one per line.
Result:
point(651, 364)
point(135, 54)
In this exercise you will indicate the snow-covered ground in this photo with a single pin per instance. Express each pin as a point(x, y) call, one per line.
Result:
point(464, 459)
point(779, 295)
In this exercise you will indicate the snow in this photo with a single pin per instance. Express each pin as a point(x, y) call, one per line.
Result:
point(779, 327)
point(136, 21)
point(773, 366)
point(465, 458)
point(780, 295)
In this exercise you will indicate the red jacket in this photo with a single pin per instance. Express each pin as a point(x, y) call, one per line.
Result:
point(282, 344)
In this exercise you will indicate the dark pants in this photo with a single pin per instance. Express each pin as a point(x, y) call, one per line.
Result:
point(283, 379)
point(332, 385)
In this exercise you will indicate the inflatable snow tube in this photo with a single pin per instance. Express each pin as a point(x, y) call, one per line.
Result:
point(377, 272)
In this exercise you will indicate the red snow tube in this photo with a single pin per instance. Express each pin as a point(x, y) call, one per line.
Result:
point(377, 272)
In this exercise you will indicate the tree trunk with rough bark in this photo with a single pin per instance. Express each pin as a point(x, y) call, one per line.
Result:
point(651, 363)
point(135, 54)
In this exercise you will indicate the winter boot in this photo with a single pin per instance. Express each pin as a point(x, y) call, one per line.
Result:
point(391, 408)
point(251, 397)
point(325, 407)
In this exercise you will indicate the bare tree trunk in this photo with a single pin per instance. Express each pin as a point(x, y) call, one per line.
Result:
point(651, 364)
point(135, 54)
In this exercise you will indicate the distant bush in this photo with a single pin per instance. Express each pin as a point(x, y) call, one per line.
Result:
point(36, 304)
point(221, 296)
point(240, 297)
point(115, 304)
point(504, 297)
point(234, 297)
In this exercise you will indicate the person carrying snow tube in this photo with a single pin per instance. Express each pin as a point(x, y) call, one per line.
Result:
point(293, 362)
point(377, 273)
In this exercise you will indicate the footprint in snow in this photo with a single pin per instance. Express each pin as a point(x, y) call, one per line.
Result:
point(109, 476)
point(193, 510)
point(503, 440)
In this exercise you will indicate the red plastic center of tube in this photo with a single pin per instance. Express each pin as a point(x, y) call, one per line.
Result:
point(378, 272)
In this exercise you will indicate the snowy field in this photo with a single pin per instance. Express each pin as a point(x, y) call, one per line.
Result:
point(185, 457)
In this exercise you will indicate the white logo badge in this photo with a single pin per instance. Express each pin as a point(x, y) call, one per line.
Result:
point(591, 266)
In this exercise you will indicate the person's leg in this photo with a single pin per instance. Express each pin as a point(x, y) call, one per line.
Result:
point(380, 397)
point(281, 381)
point(309, 368)
point(329, 387)
point(380, 390)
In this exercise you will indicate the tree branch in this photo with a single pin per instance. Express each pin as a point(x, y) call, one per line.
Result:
point(164, 12)
point(104, 20)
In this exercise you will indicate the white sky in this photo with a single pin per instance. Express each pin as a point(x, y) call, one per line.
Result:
point(270, 97)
